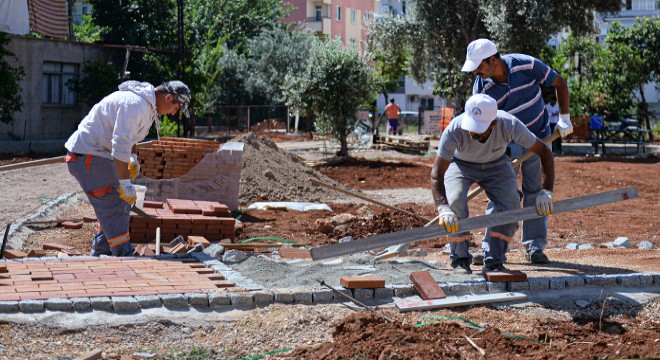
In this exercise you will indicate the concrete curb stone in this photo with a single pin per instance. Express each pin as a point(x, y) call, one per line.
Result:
point(148, 301)
point(125, 304)
point(31, 306)
point(197, 299)
point(102, 303)
point(81, 304)
point(363, 294)
point(59, 304)
point(322, 296)
point(9, 306)
point(303, 297)
point(241, 299)
point(263, 297)
point(284, 297)
point(175, 301)
point(384, 293)
point(628, 280)
point(219, 299)
point(496, 287)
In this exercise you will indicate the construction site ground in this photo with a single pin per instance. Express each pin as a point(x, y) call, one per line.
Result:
point(582, 322)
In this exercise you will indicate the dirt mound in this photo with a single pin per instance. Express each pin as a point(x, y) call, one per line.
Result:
point(365, 336)
point(268, 124)
point(271, 174)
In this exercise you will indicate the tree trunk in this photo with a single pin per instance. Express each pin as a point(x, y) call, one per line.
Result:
point(343, 150)
point(644, 106)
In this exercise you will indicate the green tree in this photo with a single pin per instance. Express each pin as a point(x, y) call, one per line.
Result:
point(598, 76)
point(643, 40)
point(335, 81)
point(270, 56)
point(387, 39)
point(87, 31)
point(146, 23)
point(10, 91)
point(444, 28)
point(215, 28)
point(99, 79)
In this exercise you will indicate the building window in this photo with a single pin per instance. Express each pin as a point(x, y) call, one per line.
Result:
point(353, 16)
point(642, 4)
point(338, 12)
point(628, 4)
point(56, 82)
point(353, 42)
point(319, 13)
point(427, 103)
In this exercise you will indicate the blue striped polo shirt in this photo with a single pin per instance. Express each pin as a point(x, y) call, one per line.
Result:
point(521, 96)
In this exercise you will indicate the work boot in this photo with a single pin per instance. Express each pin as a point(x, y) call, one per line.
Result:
point(461, 267)
point(478, 259)
point(536, 257)
point(492, 268)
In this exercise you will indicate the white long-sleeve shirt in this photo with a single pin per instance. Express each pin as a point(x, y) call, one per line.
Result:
point(553, 112)
point(116, 123)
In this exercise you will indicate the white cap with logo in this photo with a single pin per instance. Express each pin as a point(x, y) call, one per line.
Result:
point(480, 111)
point(478, 50)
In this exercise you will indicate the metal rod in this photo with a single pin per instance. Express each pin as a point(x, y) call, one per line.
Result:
point(356, 301)
point(4, 241)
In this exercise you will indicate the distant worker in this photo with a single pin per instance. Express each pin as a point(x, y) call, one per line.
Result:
point(514, 81)
point(552, 108)
point(102, 154)
point(392, 111)
point(473, 150)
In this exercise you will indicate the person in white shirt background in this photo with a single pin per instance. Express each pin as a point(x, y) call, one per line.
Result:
point(552, 107)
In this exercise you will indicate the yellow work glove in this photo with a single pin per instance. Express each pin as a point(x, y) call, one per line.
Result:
point(447, 218)
point(127, 191)
point(544, 203)
point(133, 166)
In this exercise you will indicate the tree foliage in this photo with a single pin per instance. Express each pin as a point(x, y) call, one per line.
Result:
point(217, 27)
point(386, 39)
point(147, 23)
point(87, 30)
point(444, 28)
point(335, 82)
point(643, 41)
point(10, 91)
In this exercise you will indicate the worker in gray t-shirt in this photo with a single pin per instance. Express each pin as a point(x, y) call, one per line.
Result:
point(473, 150)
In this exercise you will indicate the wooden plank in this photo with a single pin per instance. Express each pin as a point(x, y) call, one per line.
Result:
point(458, 301)
point(479, 222)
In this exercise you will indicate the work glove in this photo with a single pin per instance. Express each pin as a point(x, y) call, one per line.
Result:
point(127, 191)
point(133, 166)
point(447, 218)
point(564, 125)
point(544, 203)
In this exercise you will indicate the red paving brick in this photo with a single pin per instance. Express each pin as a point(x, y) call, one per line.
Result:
point(426, 285)
point(85, 277)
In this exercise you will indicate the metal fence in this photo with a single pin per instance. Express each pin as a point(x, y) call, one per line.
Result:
point(228, 119)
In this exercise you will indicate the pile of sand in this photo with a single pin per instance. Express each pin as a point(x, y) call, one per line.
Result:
point(272, 174)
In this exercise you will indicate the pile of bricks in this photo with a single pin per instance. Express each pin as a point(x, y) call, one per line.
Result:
point(171, 158)
point(209, 219)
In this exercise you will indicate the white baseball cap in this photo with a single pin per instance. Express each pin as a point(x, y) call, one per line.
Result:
point(478, 50)
point(480, 111)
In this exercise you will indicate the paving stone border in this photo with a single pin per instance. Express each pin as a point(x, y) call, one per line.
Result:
point(262, 297)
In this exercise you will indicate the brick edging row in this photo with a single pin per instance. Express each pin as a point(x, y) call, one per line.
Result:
point(254, 295)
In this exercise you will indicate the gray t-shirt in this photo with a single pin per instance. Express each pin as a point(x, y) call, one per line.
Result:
point(456, 142)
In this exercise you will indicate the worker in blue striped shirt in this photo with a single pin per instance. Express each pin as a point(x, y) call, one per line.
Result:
point(514, 80)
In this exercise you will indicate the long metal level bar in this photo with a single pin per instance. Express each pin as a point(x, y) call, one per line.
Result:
point(479, 222)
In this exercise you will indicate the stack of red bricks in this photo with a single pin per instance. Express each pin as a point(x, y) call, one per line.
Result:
point(173, 157)
point(209, 219)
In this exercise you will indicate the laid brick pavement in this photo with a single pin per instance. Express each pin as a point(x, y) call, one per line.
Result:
point(98, 277)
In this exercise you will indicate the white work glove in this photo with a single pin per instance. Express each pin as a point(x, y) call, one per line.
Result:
point(447, 218)
point(127, 191)
point(564, 125)
point(544, 203)
point(133, 166)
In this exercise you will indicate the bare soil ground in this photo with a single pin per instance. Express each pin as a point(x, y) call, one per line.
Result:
point(335, 332)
